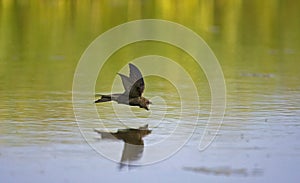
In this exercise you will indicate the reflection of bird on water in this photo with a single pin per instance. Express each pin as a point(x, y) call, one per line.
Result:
point(134, 87)
point(134, 143)
point(129, 135)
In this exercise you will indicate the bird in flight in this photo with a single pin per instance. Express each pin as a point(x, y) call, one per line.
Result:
point(134, 87)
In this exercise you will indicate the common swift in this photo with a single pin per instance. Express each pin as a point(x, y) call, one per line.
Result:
point(134, 87)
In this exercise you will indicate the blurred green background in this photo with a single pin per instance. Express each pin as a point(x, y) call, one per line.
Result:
point(42, 41)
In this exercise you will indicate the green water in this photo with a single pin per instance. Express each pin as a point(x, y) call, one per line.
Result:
point(256, 43)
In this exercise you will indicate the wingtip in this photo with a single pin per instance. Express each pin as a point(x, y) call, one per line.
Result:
point(132, 65)
point(120, 74)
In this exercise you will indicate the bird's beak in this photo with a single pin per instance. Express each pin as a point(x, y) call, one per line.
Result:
point(150, 102)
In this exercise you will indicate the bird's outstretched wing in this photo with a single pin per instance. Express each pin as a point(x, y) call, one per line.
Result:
point(136, 78)
point(127, 83)
point(134, 84)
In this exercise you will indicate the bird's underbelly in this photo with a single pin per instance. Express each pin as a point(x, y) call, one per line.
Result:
point(134, 102)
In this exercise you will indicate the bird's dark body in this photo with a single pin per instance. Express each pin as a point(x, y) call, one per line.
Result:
point(120, 98)
point(134, 86)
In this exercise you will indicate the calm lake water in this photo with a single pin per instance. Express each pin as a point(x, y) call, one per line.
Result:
point(256, 44)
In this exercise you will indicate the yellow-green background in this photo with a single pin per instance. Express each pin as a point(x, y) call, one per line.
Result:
point(42, 41)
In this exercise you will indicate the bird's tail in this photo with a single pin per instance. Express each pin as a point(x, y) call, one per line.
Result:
point(104, 98)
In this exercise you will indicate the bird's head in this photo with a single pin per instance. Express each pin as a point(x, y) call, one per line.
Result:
point(144, 103)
